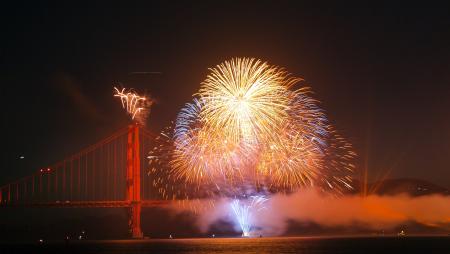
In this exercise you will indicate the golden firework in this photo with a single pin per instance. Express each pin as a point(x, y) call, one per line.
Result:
point(246, 98)
point(248, 128)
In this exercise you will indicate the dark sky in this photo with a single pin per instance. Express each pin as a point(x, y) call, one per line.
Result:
point(381, 72)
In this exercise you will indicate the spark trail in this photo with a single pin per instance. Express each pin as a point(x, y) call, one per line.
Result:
point(136, 106)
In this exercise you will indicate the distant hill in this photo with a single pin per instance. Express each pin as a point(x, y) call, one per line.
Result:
point(411, 186)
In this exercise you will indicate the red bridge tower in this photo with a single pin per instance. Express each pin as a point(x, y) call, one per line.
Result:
point(133, 188)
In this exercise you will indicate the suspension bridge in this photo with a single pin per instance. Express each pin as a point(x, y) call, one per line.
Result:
point(106, 174)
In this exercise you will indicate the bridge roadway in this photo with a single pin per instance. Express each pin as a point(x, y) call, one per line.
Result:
point(92, 204)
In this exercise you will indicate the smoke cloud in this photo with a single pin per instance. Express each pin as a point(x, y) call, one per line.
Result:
point(373, 212)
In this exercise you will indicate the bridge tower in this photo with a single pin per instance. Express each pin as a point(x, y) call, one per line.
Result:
point(133, 190)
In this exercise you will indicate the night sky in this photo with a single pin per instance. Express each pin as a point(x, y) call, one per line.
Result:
point(382, 73)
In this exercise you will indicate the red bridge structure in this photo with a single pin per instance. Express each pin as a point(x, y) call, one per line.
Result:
point(106, 174)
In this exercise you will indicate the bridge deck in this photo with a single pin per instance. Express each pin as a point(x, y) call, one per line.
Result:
point(93, 204)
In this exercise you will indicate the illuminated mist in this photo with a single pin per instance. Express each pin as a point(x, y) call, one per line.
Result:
point(374, 212)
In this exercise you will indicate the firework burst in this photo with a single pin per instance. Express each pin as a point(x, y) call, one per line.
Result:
point(245, 98)
point(136, 106)
point(248, 130)
point(205, 155)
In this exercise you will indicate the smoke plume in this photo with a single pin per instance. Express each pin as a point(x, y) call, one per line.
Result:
point(373, 212)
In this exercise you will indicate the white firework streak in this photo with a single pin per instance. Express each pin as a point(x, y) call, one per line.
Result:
point(245, 211)
point(132, 102)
